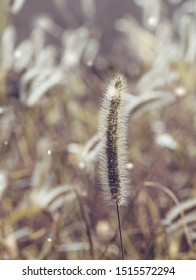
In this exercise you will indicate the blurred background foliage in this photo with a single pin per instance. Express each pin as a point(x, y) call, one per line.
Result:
point(56, 58)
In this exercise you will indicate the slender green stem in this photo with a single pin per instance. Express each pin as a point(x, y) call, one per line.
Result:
point(120, 232)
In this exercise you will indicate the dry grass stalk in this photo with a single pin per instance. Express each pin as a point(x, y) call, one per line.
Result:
point(113, 133)
point(112, 129)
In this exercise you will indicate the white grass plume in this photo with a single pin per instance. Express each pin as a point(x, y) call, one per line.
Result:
point(113, 138)
point(16, 5)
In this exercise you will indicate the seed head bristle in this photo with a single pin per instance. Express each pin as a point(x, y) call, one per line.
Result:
point(113, 133)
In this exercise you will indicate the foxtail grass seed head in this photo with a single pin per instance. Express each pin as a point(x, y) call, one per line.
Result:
point(113, 142)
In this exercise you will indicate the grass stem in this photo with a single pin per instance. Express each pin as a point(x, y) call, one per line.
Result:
point(120, 232)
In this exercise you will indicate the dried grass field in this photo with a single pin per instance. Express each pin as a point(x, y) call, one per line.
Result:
point(55, 63)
